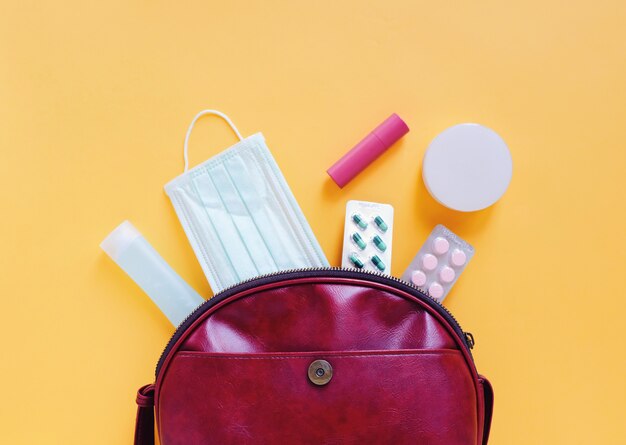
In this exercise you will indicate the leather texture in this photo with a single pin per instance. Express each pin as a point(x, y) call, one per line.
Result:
point(238, 374)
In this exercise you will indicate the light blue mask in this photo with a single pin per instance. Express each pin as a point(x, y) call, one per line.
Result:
point(240, 215)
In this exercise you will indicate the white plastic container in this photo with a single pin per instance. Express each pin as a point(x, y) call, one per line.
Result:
point(467, 167)
point(130, 250)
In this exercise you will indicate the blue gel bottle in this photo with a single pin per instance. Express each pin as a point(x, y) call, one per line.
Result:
point(130, 250)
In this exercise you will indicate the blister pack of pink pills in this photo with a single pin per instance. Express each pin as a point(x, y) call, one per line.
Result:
point(440, 261)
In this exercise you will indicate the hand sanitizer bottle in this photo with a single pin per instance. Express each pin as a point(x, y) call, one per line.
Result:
point(130, 250)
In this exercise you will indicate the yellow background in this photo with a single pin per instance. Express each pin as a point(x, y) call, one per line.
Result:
point(95, 99)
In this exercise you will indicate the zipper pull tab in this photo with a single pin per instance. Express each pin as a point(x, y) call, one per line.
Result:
point(469, 339)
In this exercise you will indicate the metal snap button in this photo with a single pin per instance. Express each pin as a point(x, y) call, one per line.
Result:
point(320, 372)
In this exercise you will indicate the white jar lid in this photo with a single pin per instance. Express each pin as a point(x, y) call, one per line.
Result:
point(467, 167)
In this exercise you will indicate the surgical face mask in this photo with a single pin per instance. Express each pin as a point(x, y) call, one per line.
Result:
point(240, 215)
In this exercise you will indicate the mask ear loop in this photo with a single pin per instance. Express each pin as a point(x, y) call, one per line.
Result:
point(193, 122)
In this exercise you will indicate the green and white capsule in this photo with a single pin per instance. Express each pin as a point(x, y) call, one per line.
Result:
point(379, 243)
point(358, 240)
point(378, 263)
point(354, 259)
point(359, 221)
point(382, 225)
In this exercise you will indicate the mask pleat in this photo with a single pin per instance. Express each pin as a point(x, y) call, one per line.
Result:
point(215, 212)
point(243, 212)
point(283, 225)
point(199, 229)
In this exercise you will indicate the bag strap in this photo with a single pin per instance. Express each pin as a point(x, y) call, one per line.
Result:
point(144, 426)
point(488, 402)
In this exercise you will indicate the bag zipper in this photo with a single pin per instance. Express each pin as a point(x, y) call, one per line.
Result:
point(336, 272)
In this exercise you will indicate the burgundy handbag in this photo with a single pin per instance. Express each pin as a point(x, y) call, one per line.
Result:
point(317, 356)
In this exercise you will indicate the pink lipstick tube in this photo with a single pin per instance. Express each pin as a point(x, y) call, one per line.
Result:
point(366, 151)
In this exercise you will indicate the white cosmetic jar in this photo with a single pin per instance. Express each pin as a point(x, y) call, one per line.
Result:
point(467, 167)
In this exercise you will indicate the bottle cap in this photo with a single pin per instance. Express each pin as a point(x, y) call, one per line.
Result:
point(366, 151)
point(119, 239)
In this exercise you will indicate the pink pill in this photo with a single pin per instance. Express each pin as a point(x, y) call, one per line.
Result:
point(435, 290)
point(429, 262)
point(440, 245)
point(418, 278)
point(446, 274)
point(458, 258)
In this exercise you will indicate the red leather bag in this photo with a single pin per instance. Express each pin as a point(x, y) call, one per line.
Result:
point(320, 356)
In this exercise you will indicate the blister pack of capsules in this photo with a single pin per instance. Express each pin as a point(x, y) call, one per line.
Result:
point(367, 236)
point(440, 261)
